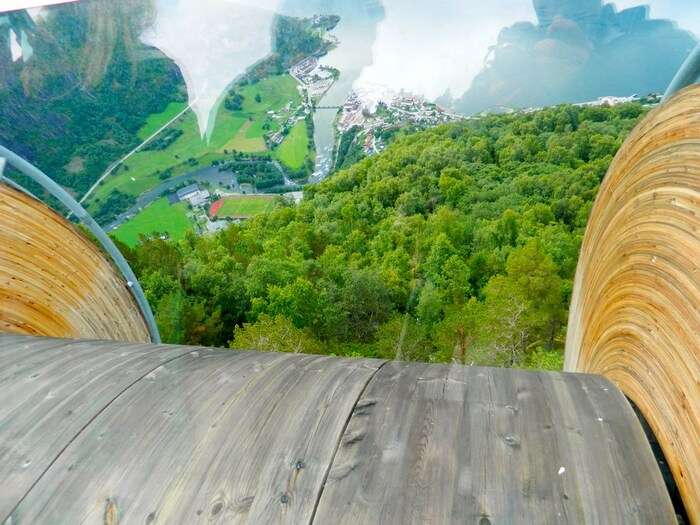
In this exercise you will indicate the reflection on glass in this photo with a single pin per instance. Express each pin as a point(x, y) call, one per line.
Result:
point(197, 133)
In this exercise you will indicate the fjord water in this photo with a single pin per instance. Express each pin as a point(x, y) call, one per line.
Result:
point(354, 53)
point(356, 34)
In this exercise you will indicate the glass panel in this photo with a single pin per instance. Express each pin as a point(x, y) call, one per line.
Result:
point(383, 178)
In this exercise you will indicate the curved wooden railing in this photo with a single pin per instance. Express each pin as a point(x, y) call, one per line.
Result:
point(55, 282)
point(61, 195)
point(161, 434)
point(635, 312)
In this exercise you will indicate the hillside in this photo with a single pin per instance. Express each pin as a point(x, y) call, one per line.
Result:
point(78, 104)
point(457, 243)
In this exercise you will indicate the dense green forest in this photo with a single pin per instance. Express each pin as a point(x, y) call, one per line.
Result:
point(78, 104)
point(455, 244)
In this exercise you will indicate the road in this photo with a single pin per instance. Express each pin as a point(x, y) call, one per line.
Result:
point(132, 152)
point(210, 174)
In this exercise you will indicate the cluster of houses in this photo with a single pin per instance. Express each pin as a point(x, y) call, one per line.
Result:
point(314, 78)
point(398, 110)
point(197, 197)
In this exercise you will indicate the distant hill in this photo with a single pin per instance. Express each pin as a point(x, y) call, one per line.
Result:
point(579, 50)
point(89, 86)
point(370, 11)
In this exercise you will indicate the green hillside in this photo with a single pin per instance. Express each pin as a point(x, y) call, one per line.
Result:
point(241, 130)
point(457, 244)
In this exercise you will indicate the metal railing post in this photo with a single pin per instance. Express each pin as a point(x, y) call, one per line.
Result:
point(688, 74)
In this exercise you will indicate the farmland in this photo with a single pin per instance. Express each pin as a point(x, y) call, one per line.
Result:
point(240, 130)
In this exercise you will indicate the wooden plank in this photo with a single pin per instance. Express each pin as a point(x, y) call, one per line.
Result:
point(102, 432)
point(443, 444)
point(215, 436)
point(635, 309)
point(55, 282)
point(50, 389)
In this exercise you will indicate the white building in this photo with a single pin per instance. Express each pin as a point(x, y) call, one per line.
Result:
point(193, 194)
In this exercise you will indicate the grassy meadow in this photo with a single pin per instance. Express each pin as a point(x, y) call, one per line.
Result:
point(241, 130)
point(158, 217)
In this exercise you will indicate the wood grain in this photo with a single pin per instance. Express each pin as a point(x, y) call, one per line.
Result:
point(50, 389)
point(55, 282)
point(105, 432)
point(215, 437)
point(635, 312)
point(449, 444)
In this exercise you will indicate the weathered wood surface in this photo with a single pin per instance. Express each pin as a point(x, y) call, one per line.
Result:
point(214, 436)
point(635, 312)
point(442, 444)
point(54, 282)
point(49, 390)
point(191, 435)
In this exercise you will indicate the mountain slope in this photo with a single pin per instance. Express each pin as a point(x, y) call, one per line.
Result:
point(578, 51)
point(457, 243)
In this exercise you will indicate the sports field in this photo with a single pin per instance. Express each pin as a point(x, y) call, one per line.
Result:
point(242, 206)
point(158, 217)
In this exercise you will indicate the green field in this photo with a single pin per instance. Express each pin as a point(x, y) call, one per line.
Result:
point(275, 92)
point(293, 151)
point(241, 130)
point(158, 120)
point(158, 217)
point(247, 140)
point(245, 206)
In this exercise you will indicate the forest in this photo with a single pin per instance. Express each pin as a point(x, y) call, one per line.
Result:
point(456, 244)
point(79, 103)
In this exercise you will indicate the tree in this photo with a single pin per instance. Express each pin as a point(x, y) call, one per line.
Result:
point(274, 334)
point(535, 280)
point(364, 302)
point(429, 309)
point(402, 338)
point(456, 337)
point(506, 323)
point(168, 316)
point(524, 306)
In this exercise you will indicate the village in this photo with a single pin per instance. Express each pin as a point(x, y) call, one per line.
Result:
point(398, 111)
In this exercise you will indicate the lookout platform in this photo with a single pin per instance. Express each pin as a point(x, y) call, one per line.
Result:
point(105, 432)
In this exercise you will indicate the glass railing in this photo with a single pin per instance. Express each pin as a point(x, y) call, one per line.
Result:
point(340, 176)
